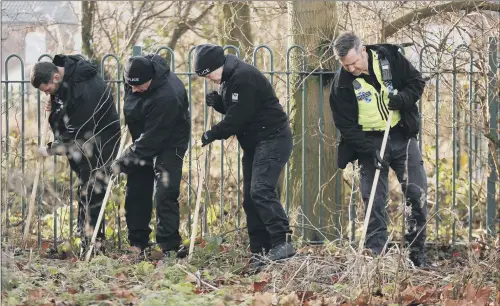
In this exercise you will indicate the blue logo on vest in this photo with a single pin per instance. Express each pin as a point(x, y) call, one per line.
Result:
point(364, 96)
point(389, 86)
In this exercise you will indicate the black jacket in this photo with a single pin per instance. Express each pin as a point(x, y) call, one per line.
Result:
point(405, 78)
point(158, 118)
point(251, 107)
point(83, 115)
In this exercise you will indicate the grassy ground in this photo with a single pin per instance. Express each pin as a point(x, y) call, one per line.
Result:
point(319, 275)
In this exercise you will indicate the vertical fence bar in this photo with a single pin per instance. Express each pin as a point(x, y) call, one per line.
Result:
point(6, 154)
point(290, 97)
point(117, 82)
point(190, 144)
point(469, 160)
point(338, 193)
point(40, 193)
point(303, 133)
point(320, 157)
point(204, 222)
point(23, 152)
point(454, 141)
point(7, 199)
point(288, 101)
point(352, 206)
point(493, 108)
point(420, 107)
point(436, 51)
point(1, 182)
point(437, 155)
point(471, 95)
point(221, 204)
point(455, 171)
point(54, 207)
point(118, 108)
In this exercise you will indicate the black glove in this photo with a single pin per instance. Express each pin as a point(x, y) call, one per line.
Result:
point(378, 161)
point(396, 102)
point(213, 99)
point(207, 138)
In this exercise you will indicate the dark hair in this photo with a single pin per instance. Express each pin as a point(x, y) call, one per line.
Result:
point(42, 73)
point(345, 42)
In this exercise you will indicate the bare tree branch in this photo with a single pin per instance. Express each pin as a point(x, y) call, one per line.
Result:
point(185, 26)
point(416, 15)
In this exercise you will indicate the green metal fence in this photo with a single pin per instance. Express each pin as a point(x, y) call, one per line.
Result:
point(467, 139)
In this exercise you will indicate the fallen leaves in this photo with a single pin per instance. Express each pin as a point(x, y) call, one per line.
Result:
point(265, 299)
point(419, 295)
point(258, 286)
point(290, 299)
point(35, 294)
point(124, 294)
point(424, 295)
point(324, 282)
point(72, 290)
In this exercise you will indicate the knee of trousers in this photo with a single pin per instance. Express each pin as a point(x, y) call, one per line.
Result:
point(261, 191)
point(414, 194)
point(167, 193)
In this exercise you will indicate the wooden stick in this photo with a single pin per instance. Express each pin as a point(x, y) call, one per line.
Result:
point(104, 201)
point(39, 164)
point(375, 182)
point(198, 194)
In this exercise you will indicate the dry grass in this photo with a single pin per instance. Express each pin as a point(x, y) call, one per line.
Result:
point(331, 274)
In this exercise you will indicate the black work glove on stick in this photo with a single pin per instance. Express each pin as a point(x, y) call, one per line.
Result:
point(396, 102)
point(378, 161)
point(213, 99)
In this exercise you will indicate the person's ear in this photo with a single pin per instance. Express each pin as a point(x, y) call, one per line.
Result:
point(57, 78)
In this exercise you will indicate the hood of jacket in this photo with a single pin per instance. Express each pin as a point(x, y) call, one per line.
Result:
point(76, 69)
point(229, 66)
point(161, 71)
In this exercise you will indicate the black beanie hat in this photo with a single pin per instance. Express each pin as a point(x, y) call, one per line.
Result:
point(208, 58)
point(138, 70)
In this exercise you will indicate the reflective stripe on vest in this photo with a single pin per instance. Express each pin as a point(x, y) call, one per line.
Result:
point(373, 111)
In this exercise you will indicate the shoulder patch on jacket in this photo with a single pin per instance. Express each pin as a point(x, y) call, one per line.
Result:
point(234, 97)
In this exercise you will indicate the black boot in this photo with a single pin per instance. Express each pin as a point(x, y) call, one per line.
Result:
point(281, 251)
point(180, 252)
point(257, 261)
point(417, 256)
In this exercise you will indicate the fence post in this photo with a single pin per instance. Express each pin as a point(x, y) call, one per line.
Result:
point(493, 107)
point(136, 50)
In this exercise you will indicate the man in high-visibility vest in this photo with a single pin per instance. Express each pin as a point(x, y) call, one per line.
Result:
point(362, 94)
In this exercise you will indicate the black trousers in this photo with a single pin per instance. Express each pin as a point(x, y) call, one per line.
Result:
point(93, 173)
point(160, 179)
point(267, 221)
point(405, 159)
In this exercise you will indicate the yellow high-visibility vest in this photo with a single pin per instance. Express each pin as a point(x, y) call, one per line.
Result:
point(372, 105)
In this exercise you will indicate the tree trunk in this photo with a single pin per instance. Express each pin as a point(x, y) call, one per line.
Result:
point(236, 28)
point(88, 10)
point(314, 176)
